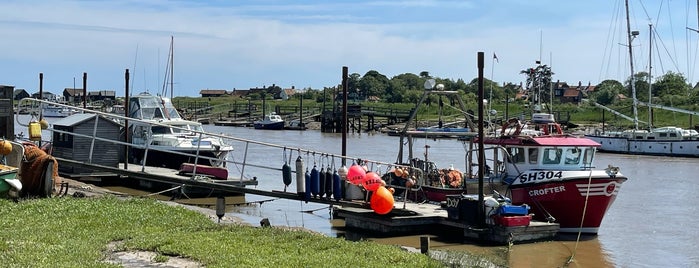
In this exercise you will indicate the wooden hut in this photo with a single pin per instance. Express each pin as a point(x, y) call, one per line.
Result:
point(77, 148)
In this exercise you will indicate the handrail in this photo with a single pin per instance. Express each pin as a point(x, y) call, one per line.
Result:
point(226, 138)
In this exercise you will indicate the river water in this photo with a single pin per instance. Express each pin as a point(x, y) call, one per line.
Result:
point(653, 222)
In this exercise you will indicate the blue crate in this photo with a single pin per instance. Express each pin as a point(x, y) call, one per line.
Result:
point(512, 210)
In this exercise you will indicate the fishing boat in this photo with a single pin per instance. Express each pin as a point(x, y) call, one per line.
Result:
point(271, 121)
point(665, 141)
point(168, 139)
point(554, 174)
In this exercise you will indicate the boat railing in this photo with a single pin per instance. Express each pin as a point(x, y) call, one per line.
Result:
point(243, 162)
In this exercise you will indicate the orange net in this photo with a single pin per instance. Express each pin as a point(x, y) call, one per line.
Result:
point(33, 168)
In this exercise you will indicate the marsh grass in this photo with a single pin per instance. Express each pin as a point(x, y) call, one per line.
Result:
point(75, 232)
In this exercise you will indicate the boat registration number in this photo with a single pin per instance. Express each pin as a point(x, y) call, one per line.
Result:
point(539, 176)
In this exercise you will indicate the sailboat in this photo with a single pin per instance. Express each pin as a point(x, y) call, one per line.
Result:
point(666, 141)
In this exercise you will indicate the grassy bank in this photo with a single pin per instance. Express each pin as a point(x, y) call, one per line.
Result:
point(75, 232)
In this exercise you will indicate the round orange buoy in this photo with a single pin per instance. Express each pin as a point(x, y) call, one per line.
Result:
point(405, 173)
point(398, 172)
point(5, 147)
point(371, 181)
point(381, 201)
point(355, 174)
point(409, 183)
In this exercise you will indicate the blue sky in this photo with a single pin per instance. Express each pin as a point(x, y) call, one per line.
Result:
point(243, 44)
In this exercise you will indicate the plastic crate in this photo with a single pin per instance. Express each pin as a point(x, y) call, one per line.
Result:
point(512, 221)
point(511, 210)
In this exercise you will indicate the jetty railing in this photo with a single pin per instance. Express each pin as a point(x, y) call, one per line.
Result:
point(243, 164)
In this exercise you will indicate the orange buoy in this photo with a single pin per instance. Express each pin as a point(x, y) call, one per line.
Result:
point(398, 172)
point(44, 124)
point(371, 181)
point(5, 147)
point(381, 201)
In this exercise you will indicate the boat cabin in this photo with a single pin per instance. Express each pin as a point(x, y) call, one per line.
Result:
point(662, 133)
point(149, 107)
point(543, 153)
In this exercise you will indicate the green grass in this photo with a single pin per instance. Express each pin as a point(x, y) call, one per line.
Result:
point(74, 232)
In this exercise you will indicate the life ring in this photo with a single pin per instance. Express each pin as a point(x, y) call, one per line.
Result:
point(513, 122)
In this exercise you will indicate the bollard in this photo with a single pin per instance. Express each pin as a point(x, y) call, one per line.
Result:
point(424, 244)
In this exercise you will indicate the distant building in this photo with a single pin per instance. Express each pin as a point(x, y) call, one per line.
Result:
point(101, 95)
point(19, 94)
point(45, 96)
point(239, 92)
point(73, 95)
point(286, 93)
point(213, 93)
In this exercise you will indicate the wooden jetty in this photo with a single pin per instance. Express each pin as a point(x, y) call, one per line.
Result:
point(426, 217)
point(157, 178)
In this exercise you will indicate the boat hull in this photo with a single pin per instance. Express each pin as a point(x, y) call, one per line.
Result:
point(172, 159)
point(269, 126)
point(568, 202)
point(684, 148)
point(206, 170)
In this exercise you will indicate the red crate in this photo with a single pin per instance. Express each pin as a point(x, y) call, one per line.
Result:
point(511, 221)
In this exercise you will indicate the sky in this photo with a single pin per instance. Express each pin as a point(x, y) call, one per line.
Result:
point(230, 45)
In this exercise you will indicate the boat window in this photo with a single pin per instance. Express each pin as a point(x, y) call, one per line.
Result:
point(180, 129)
point(160, 130)
point(517, 154)
point(587, 158)
point(533, 155)
point(572, 156)
point(552, 156)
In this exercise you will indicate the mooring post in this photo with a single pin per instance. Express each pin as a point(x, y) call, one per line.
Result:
point(424, 244)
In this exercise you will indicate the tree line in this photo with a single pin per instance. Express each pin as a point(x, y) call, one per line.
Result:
point(668, 89)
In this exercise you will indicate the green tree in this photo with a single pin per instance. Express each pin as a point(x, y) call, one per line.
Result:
point(671, 84)
point(606, 92)
point(373, 83)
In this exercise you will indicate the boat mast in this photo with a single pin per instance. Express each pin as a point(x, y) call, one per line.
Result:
point(630, 35)
point(172, 65)
point(650, 76)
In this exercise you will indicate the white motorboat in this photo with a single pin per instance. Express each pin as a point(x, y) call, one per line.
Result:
point(168, 139)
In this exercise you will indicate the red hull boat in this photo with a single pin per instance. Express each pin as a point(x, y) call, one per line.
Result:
point(565, 201)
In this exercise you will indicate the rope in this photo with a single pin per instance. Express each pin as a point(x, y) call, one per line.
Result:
point(163, 191)
point(577, 240)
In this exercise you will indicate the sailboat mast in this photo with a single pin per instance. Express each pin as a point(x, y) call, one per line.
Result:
point(650, 76)
point(632, 80)
point(172, 64)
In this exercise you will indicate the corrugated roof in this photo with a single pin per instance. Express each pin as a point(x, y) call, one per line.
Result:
point(76, 119)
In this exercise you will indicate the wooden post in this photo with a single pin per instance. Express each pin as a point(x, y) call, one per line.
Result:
point(424, 244)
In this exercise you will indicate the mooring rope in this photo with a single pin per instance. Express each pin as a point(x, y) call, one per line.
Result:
point(582, 220)
point(163, 191)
